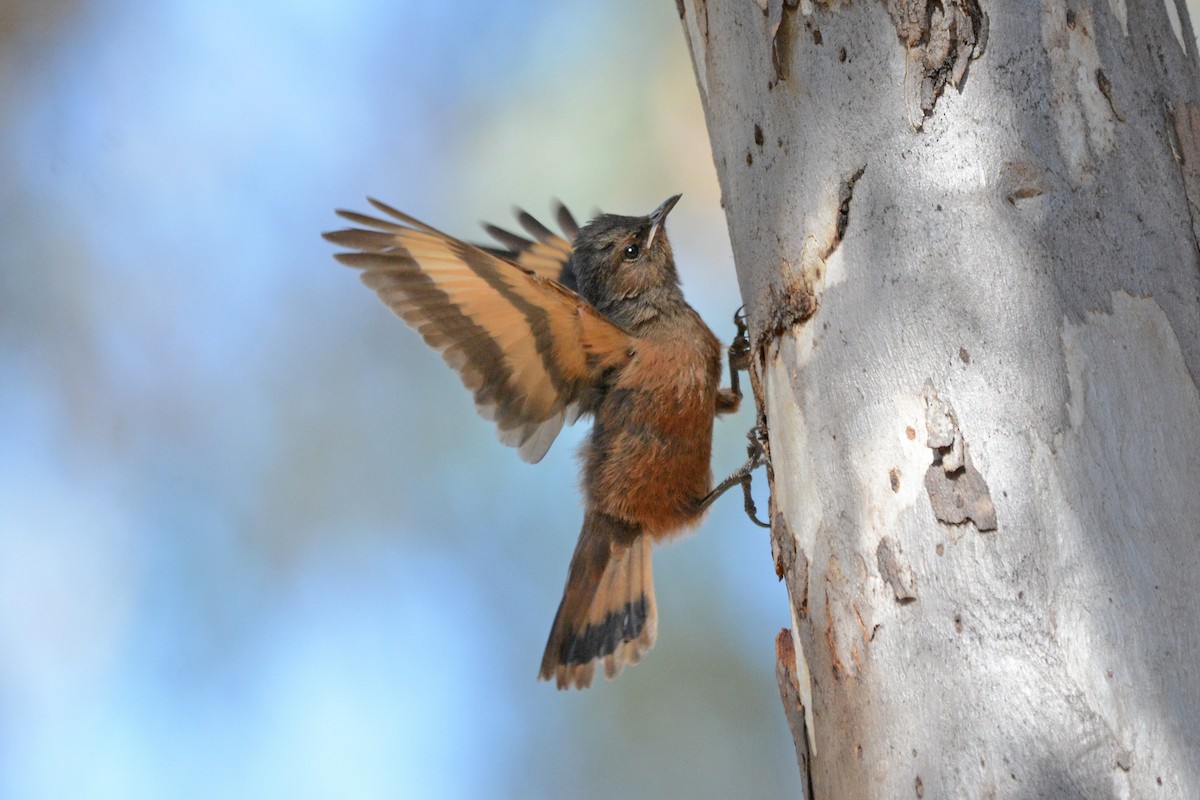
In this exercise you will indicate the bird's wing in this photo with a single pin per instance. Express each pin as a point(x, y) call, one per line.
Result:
point(547, 253)
point(528, 348)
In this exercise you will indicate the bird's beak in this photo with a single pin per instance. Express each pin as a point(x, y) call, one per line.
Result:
point(658, 215)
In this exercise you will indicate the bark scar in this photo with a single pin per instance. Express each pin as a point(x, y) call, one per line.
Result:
point(896, 571)
point(957, 490)
point(794, 305)
point(791, 565)
point(941, 39)
point(779, 26)
point(1185, 145)
point(798, 302)
point(1105, 86)
point(845, 195)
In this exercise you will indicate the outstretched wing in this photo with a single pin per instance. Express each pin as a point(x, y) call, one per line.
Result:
point(547, 253)
point(527, 348)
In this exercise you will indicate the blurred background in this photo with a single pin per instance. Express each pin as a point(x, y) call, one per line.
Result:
point(254, 541)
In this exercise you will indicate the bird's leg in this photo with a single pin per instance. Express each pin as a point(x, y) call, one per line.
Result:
point(729, 400)
point(758, 457)
point(739, 351)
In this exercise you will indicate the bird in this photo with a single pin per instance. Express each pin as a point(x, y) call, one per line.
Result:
point(548, 329)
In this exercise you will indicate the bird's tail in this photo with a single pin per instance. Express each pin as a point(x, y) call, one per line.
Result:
point(607, 613)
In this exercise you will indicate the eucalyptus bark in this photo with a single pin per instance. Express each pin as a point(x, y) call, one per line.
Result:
point(967, 237)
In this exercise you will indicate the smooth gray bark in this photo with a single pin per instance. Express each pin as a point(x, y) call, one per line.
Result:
point(967, 237)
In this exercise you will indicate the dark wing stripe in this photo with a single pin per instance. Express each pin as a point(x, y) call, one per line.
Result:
point(450, 331)
point(521, 405)
point(534, 315)
point(482, 304)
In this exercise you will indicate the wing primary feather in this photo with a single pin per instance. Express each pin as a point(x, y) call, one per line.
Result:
point(371, 222)
point(535, 229)
point(406, 219)
point(566, 220)
point(369, 241)
point(512, 241)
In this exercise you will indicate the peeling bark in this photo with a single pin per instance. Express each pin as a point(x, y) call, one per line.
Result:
point(971, 262)
point(957, 491)
point(940, 40)
point(789, 693)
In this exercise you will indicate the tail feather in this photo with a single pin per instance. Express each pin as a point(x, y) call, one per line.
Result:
point(608, 613)
point(632, 631)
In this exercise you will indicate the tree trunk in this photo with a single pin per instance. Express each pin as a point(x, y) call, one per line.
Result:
point(967, 236)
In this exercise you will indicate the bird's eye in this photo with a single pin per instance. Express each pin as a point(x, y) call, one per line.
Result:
point(632, 252)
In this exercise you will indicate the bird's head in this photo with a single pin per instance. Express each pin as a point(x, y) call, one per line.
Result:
point(622, 263)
